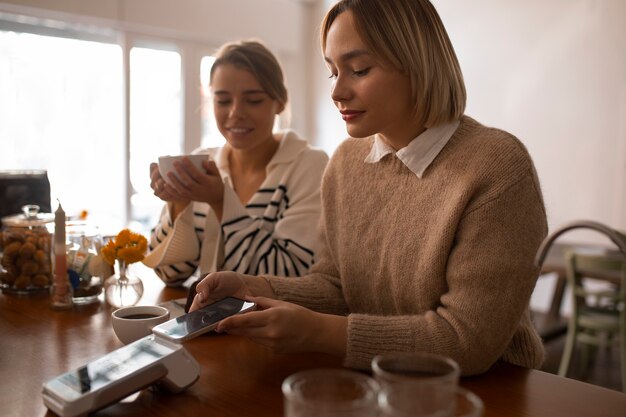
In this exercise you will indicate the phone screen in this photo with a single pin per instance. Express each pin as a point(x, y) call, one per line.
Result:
point(202, 320)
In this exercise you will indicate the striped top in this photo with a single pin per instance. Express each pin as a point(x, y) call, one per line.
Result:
point(274, 233)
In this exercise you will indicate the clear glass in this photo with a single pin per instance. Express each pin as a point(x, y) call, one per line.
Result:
point(26, 266)
point(396, 403)
point(123, 288)
point(86, 268)
point(422, 385)
point(61, 110)
point(330, 392)
point(155, 125)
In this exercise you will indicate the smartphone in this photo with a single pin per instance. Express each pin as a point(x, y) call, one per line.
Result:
point(201, 321)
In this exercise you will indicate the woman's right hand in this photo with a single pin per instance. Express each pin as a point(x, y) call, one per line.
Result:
point(219, 285)
point(162, 189)
point(166, 192)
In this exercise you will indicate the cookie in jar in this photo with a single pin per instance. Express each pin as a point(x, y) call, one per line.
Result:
point(25, 263)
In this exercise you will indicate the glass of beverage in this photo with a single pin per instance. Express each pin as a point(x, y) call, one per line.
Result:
point(422, 385)
point(330, 392)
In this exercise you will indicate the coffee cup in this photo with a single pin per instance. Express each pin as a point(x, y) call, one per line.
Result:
point(133, 323)
point(166, 163)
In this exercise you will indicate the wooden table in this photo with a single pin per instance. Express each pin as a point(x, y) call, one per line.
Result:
point(552, 324)
point(238, 378)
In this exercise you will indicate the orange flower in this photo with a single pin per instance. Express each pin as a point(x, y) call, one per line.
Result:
point(127, 246)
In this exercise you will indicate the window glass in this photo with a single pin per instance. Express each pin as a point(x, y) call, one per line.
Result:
point(211, 136)
point(155, 124)
point(60, 110)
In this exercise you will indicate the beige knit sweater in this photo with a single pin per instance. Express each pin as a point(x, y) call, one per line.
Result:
point(441, 264)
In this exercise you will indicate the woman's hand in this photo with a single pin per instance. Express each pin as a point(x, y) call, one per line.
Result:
point(287, 327)
point(192, 184)
point(219, 285)
point(162, 189)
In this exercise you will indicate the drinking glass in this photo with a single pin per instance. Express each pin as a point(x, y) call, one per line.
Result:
point(330, 393)
point(86, 269)
point(422, 385)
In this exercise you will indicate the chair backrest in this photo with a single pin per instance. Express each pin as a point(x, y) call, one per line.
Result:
point(580, 266)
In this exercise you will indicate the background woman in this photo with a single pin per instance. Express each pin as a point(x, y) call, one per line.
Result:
point(256, 205)
point(430, 220)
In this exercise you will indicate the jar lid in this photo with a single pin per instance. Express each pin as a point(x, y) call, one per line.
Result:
point(30, 217)
point(81, 228)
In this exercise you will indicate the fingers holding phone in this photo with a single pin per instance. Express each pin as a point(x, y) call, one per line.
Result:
point(279, 325)
point(188, 326)
point(218, 285)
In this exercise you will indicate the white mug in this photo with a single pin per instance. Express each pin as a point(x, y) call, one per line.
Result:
point(133, 323)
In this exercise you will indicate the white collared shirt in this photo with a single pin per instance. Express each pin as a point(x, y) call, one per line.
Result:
point(420, 152)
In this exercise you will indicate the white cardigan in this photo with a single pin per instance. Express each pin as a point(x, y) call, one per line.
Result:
point(275, 233)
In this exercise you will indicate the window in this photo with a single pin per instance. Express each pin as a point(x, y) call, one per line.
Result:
point(60, 111)
point(155, 123)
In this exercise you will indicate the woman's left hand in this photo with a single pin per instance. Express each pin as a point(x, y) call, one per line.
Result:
point(198, 185)
point(284, 327)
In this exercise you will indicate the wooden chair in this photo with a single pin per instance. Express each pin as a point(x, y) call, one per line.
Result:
point(598, 317)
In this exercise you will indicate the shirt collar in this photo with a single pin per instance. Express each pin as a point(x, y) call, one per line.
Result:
point(420, 152)
point(289, 148)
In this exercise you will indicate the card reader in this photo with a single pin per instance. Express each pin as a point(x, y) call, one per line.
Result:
point(119, 374)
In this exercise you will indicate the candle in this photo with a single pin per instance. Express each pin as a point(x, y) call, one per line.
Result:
point(61, 297)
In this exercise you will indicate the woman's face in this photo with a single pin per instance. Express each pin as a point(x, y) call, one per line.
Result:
point(244, 112)
point(371, 97)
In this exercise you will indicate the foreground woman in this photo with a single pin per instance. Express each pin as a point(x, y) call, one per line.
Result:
point(430, 220)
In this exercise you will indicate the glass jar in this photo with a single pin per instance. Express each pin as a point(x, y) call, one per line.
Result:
point(85, 267)
point(26, 246)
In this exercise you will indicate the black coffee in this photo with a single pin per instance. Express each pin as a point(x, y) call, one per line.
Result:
point(140, 316)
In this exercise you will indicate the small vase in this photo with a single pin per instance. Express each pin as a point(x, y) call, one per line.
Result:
point(123, 289)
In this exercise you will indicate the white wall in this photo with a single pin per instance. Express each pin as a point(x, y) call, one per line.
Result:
point(554, 74)
point(278, 22)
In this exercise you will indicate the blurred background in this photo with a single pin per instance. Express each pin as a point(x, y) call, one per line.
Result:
point(92, 91)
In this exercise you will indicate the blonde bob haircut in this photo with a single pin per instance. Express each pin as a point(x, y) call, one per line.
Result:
point(409, 36)
point(255, 57)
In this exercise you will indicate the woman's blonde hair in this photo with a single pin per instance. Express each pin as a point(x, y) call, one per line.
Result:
point(255, 57)
point(409, 36)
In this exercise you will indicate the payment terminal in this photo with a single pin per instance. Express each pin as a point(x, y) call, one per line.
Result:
point(119, 374)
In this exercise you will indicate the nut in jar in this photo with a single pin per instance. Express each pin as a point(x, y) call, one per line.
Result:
point(26, 244)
